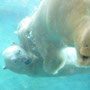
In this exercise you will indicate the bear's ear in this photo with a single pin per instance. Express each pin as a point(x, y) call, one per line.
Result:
point(4, 67)
point(12, 43)
point(16, 32)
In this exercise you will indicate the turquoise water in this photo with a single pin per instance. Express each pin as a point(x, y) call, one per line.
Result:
point(11, 13)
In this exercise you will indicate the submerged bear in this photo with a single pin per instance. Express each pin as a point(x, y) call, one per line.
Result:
point(56, 24)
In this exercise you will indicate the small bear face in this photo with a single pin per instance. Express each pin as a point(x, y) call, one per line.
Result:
point(16, 59)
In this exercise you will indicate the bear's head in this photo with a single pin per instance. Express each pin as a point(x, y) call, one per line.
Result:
point(16, 59)
point(83, 44)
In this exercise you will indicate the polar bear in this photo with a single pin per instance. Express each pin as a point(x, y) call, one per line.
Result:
point(14, 55)
point(17, 60)
point(55, 25)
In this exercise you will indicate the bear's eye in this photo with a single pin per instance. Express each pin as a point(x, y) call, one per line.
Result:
point(18, 52)
point(86, 46)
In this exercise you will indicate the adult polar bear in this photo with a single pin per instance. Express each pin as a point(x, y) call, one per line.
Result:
point(58, 23)
point(55, 25)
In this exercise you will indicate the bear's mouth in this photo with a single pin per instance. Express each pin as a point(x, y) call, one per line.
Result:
point(84, 57)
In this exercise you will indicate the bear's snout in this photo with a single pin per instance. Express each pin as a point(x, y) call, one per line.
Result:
point(84, 48)
point(84, 52)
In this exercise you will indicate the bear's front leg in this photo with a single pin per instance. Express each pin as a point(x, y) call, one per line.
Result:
point(53, 60)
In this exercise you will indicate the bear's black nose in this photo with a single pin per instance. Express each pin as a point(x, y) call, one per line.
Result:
point(28, 61)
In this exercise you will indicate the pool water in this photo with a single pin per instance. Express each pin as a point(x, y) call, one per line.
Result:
point(11, 13)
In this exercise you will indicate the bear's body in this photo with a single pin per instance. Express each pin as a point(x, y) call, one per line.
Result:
point(55, 25)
